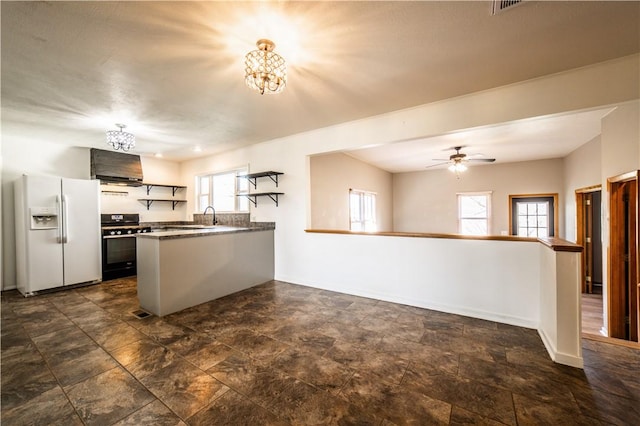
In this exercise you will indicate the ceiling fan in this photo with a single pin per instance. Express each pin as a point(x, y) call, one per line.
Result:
point(458, 159)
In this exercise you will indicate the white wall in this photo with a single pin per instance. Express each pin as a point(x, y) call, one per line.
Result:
point(44, 158)
point(331, 177)
point(230, 160)
point(122, 199)
point(494, 280)
point(426, 201)
point(560, 300)
point(38, 158)
point(581, 170)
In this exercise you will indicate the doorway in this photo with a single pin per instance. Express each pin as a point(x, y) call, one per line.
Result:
point(623, 257)
point(589, 236)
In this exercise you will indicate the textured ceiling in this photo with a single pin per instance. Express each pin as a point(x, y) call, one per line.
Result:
point(523, 140)
point(173, 71)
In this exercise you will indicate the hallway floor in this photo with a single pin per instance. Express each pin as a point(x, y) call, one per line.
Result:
point(286, 354)
point(592, 321)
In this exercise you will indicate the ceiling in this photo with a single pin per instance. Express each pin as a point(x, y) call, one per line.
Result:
point(523, 140)
point(173, 71)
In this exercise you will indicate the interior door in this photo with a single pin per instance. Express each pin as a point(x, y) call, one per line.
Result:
point(588, 242)
point(623, 260)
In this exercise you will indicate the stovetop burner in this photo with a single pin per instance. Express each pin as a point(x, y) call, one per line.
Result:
point(122, 224)
point(125, 227)
point(124, 230)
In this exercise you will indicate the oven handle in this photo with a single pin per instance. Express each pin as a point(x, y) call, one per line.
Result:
point(106, 237)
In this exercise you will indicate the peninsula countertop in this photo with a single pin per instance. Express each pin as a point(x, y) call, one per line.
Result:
point(190, 231)
point(183, 266)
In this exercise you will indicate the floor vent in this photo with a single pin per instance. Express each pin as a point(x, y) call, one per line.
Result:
point(501, 5)
point(141, 314)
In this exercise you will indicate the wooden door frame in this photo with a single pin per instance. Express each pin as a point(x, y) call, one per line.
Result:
point(613, 273)
point(580, 227)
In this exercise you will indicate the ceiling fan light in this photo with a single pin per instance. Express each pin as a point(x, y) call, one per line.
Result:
point(457, 167)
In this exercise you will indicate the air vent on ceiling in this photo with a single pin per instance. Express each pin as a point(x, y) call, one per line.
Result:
point(501, 5)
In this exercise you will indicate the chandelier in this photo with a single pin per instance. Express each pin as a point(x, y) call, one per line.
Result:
point(265, 70)
point(119, 139)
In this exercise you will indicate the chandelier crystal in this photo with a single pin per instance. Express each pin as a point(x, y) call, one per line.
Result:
point(119, 139)
point(265, 70)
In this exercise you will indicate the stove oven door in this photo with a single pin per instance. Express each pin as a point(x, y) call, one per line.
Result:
point(118, 256)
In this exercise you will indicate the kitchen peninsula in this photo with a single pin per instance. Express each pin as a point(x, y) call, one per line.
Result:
point(184, 266)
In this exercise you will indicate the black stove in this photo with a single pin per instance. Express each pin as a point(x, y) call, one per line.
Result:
point(119, 244)
point(122, 224)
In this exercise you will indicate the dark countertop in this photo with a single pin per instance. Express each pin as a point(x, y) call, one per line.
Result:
point(190, 231)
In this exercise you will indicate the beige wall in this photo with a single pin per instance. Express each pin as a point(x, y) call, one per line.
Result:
point(581, 170)
point(331, 176)
point(427, 201)
point(620, 154)
point(621, 140)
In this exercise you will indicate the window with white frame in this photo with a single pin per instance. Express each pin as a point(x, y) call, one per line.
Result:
point(362, 210)
point(221, 191)
point(474, 213)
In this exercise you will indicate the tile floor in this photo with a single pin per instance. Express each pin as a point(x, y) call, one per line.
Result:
point(287, 354)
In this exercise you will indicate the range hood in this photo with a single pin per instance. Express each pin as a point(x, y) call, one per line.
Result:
point(116, 167)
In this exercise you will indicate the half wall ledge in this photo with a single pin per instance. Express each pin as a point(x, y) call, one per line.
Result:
point(556, 244)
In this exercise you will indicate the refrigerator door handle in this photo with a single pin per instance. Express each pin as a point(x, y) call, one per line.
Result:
point(59, 209)
point(65, 219)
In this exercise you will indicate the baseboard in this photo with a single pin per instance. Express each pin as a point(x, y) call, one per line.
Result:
point(559, 357)
point(611, 341)
point(570, 360)
point(450, 309)
point(548, 344)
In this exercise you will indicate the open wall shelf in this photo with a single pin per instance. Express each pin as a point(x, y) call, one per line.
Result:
point(253, 177)
point(174, 188)
point(254, 197)
point(149, 201)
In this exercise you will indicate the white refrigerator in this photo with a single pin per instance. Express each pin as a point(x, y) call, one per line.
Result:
point(58, 239)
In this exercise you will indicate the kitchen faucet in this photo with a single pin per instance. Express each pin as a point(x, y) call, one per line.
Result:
point(213, 218)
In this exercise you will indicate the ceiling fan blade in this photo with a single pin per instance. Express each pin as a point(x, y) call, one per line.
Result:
point(482, 160)
point(435, 165)
point(440, 159)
